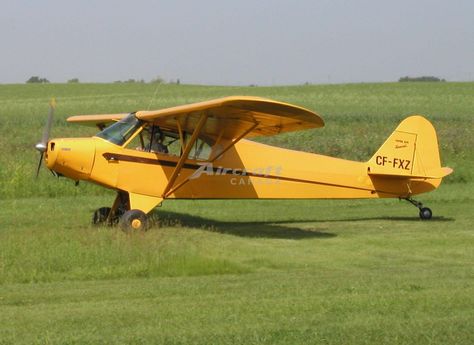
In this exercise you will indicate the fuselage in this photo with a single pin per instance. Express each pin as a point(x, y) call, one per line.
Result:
point(247, 170)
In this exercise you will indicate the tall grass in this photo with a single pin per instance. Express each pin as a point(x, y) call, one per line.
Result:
point(48, 240)
point(34, 247)
point(97, 254)
point(358, 119)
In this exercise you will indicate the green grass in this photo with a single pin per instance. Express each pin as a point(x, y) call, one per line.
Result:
point(239, 272)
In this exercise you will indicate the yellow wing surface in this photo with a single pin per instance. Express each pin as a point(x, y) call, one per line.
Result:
point(100, 120)
point(229, 117)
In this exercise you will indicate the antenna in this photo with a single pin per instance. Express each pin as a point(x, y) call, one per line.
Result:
point(154, 96)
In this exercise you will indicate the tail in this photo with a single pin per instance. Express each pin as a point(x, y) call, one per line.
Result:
point(410, 151)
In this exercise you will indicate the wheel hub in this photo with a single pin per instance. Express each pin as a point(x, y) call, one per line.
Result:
point(136, 224)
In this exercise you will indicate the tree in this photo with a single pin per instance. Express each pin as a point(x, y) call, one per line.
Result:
point(73, 81)
point(38, 80)
point(423, 78)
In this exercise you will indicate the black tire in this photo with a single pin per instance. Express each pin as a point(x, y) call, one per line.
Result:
point(100, 216)
point(425, 213)
point(134, 221)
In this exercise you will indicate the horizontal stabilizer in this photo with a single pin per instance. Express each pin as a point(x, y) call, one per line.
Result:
point(434, 173)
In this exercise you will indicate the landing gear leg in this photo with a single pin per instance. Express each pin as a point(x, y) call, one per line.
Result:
point(120, 206)
point(425, 212)
point(110, 215)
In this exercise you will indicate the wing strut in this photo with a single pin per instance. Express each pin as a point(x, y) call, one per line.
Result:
point(232, 143)
point(184, 156)
point(217, 155)
point(181, 135)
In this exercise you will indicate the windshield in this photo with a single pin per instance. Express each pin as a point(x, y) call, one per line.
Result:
point(121, 131)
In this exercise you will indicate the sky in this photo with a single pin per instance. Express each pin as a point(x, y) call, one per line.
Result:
point(244, 42)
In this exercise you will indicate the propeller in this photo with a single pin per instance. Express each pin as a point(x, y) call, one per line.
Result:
point(43, 144)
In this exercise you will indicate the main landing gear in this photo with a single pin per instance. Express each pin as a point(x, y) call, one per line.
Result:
point(425, 212)
point(134, 221)
point(120, 213)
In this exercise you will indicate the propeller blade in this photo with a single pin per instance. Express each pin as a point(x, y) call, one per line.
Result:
point(43, 144)
point(47, 128)
point(39, 164)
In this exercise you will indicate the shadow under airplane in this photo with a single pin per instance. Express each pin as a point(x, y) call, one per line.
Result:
point(280, 229)
point(253, 229)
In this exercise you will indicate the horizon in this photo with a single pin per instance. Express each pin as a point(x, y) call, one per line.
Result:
point(144, 82)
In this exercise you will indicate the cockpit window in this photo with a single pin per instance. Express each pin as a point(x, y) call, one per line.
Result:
point(121, 131)
point(153, 138)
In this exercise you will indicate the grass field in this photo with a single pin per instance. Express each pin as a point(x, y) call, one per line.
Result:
point(239, 272)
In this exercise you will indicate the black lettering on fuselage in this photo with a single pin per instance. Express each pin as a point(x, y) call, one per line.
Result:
point(397, 163)
point(381, 160)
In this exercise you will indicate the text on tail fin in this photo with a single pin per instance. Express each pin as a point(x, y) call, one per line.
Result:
point(411, 151)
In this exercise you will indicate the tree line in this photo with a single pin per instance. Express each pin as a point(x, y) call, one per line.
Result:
point(157, 80)
point(423, 78)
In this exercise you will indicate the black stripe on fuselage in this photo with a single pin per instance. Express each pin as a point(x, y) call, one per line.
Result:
point(143, 160)
point(223, 171)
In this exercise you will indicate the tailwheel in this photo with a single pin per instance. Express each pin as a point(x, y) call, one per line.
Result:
point(134, 221)
point(425, 213)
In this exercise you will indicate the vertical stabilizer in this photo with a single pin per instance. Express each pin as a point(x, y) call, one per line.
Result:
point(410, 151)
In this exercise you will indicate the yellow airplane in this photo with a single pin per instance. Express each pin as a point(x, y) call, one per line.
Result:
point(200, 151)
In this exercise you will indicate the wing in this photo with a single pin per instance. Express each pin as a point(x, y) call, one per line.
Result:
point(228, 118)
point(100, 121)
point(235, 117)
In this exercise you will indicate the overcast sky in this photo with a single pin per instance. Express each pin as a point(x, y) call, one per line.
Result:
point(240, 42)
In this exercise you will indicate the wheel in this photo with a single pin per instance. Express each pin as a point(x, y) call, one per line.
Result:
point(134, 221)
point(100, 215)
point(425, 213)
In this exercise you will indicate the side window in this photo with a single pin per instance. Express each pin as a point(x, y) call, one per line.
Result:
point(172, 143)
point(149, 139)
point(201, 150)
point(154, 139)
point(137, 143)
